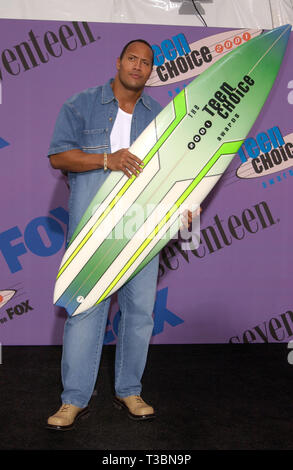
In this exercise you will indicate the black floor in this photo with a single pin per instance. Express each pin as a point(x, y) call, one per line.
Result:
point(208, 397)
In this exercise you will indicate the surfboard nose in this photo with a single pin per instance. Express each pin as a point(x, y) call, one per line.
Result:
point(279, 38)
point(281, 33)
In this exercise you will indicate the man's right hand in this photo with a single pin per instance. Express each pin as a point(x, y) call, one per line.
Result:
point(124, 161)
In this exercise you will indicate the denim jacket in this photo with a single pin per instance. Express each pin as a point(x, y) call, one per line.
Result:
point(85, 122)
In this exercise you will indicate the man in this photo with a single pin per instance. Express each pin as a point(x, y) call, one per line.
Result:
point(91, 138)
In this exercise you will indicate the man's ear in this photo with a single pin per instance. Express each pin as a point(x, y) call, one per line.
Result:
point(118, 63)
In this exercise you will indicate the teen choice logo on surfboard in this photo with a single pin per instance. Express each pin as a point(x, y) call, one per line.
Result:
point(185, 151)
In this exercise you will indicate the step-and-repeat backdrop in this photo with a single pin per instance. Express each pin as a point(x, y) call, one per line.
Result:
point(236, 286)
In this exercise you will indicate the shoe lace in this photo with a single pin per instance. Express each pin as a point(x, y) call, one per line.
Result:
point(139, 399)
point(64, 407)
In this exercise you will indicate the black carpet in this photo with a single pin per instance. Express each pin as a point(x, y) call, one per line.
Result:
point(207, 397)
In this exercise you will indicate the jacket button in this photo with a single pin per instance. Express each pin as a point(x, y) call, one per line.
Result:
point(110, 119)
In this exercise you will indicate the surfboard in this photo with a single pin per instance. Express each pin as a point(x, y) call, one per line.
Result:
point(185, 151)
point(186, 67)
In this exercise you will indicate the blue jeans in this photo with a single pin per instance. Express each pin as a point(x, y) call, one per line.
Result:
point(84, 338)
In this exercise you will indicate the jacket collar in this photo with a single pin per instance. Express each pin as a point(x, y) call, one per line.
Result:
point(108, 96)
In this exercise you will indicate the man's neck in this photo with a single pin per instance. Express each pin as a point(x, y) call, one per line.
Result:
point(126, 98)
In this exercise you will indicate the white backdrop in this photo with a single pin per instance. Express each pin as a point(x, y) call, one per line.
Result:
point(222, 13)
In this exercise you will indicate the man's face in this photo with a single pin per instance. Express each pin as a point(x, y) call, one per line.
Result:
point(135, 66)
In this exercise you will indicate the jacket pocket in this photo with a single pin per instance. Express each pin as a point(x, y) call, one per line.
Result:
point(95, 140)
